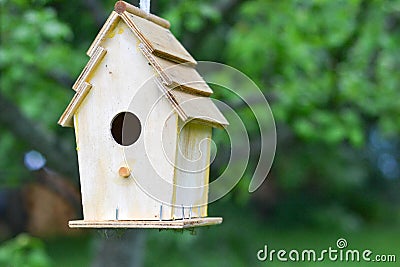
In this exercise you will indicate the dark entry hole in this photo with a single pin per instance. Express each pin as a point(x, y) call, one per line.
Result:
point(126, 128)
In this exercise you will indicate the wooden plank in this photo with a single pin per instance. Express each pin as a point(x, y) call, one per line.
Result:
point(176, 224)
point(178, 76)
point(66, 118)
point(192, 107)
point(158, 40)
point(108, 26)
point(166, 80)
point(171, 99)
point(199, 108)
point(122, 6)
point(94, 61)
point(191, 170)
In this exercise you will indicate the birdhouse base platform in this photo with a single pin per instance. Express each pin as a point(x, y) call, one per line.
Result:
point(170, 224)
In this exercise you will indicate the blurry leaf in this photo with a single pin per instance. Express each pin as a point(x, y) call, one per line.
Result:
point(24, 251)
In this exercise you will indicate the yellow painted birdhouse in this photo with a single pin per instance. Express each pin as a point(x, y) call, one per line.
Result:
point(143, 121)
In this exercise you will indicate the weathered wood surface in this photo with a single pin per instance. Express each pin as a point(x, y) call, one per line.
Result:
point(192, 170)
point(178, 76)
point(193, 107)
point(158, 40)
point(173, 224)
point(199, 108)
point(115, 88)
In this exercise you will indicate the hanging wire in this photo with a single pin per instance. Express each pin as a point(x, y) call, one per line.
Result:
point(145, 6)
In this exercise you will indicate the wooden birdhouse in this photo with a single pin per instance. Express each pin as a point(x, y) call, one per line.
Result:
point(143, 121)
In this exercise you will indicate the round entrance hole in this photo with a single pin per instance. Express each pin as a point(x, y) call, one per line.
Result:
point(126, 128)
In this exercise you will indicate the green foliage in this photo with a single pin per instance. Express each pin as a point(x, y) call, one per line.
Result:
point(191, 16)
point(24, 251)
point(37, 63)
point(35, 52)
point(333, 65)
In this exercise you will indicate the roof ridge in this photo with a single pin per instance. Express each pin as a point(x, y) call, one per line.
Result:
point(122, 6)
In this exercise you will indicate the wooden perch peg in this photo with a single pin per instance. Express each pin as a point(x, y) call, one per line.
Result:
point(124, 172)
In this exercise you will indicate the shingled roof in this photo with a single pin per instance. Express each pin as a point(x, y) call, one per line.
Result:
point(178, 79)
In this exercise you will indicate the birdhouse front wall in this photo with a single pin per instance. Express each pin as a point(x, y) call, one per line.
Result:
point(120, 84)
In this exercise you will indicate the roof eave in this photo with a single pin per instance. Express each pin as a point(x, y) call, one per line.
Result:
point(66, 119)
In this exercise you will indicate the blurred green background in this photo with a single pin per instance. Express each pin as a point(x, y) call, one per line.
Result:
point(331, 73)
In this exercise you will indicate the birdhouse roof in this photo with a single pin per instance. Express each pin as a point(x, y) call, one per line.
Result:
point(177, 77)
